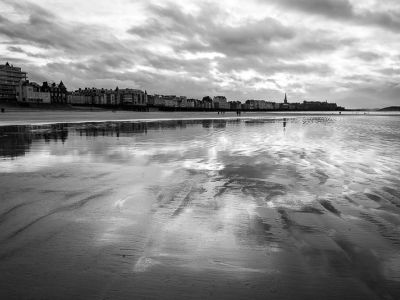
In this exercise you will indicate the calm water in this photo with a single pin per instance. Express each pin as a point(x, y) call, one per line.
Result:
point(302, 207)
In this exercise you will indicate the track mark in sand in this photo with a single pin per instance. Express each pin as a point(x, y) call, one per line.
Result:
point(350, 200)
point(72, 194)
point(310, 210)
point(386, 230)
point(373, 197)
point(393, 192)
point(184, 203)
point(98, 176)
point(70, 207)
point(26, 246)
point(394, 196)
point(328, 206)
point(365, 265)
point(289, 224)
point(4, 215)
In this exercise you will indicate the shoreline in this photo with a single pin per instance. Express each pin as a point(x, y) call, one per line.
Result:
point(40, 117)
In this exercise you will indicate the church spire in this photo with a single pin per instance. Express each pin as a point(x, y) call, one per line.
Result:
point(285, 101)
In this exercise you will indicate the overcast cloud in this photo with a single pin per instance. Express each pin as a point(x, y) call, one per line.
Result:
point(337, 50)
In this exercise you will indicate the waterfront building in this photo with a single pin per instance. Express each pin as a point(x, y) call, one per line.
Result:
point(255, 104)
point(132, 97)
point(246, 105)
point(191, 103)
point(58, 92)
point(317, 105)
point(207, 102)
point(182, 101)
point(110, 97)
point(235, 105)
point(269, 105)
point(262, 105)
point(10, 78)
point(99, 98)
point(198, 104)
point(220, 102)
point(170, 100)
point(30, 92)
point(79, 97)
point(157, 100)
point(150, 100)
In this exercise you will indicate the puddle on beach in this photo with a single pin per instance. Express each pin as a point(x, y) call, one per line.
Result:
point(301, 207)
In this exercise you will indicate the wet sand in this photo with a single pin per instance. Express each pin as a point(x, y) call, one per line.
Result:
point(23, 117)
point(306, 207)
point(26, 116)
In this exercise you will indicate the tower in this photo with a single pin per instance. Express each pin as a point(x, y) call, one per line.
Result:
point(285, 100)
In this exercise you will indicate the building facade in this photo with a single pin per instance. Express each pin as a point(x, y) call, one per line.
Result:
point(220, 102)
point(132, 97)
point(10, 78)
point(58, 92)
point(31, 92)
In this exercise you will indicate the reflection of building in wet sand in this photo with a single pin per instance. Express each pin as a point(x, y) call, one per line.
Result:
point(214, 123)
point(110, 128)
point(17, 140)
point(127, 128)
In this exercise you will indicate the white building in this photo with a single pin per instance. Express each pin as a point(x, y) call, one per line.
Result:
point(29, 92)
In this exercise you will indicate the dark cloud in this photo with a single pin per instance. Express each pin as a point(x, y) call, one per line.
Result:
point(386, 19)
point(170, 20)
point(273, 66)
point(366, 56)
point(389, 71)
point(203, 32)
point(14, 60)
point(330, 8)
point(34, 9)
point(343, 10)
point(44, 30)
point(17, 49)
point(249, 39)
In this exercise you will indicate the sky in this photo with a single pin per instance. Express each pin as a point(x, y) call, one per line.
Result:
point(342, 51)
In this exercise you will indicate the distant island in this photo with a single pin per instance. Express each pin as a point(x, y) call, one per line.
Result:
point(391, 108)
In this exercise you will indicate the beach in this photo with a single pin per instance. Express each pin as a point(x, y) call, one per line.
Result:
point(15, 115)
point(276, 207)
